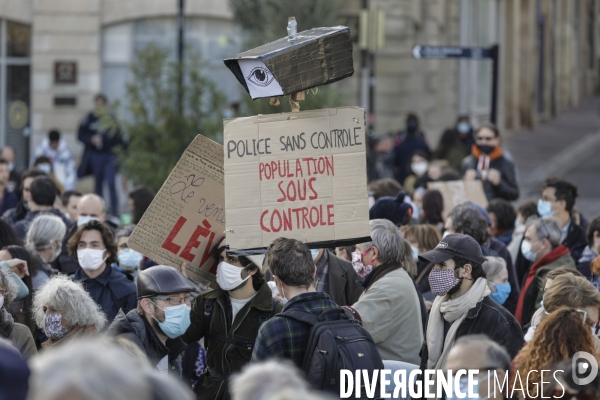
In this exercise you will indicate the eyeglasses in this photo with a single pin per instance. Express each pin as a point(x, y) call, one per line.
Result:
point(175, 300)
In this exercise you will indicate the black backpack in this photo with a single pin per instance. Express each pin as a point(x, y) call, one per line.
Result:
point(334, 345)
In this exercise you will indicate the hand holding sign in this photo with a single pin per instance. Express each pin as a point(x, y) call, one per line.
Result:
point(187, 217)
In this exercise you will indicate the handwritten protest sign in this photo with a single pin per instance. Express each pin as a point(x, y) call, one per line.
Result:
point(457, 192)
point(296, 175)
point(187, 217)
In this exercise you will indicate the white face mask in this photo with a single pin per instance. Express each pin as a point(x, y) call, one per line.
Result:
point(229, 276)
point(91, 259)
point(84, 219)
point(45, 168)
point(1, 301)
point(419, 168)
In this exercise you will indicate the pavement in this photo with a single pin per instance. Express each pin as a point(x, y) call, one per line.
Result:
point(567, 146)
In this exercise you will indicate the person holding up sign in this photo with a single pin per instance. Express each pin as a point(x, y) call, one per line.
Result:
point(228, 318)
point(488, 163)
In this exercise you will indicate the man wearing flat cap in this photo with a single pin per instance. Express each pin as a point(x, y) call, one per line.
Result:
point(162, 316)
point(462, 305)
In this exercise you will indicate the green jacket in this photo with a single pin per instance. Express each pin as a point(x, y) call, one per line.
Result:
point(225, 358)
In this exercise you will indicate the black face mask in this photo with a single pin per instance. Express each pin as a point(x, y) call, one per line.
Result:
point(411, 127)
point(487, 149)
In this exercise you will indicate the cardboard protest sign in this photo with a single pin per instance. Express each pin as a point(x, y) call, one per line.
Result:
point(296, 175)
point(187, 217)
point(457, 192)
point(317, 56)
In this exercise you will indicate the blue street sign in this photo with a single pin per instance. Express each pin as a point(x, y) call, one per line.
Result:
point(450, 52)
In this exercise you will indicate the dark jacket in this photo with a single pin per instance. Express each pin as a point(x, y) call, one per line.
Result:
point(111, 290)
point(575, 240)
point(9, 200)
point(507, 188)
point(496, 246)
point(224, 357)
point(402, 155)
point(136, 328)
point(67, 264)
point(22, 226)
point(87, 129)
point(344, 288)
point(491, 319)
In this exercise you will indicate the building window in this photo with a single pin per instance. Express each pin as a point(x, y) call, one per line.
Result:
point(214, 39)
point(15, 50)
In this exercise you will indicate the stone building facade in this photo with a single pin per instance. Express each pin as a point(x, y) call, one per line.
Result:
point(548, 59)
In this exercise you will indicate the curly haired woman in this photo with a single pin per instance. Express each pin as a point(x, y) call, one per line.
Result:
point(65, 311)
point(558, 337)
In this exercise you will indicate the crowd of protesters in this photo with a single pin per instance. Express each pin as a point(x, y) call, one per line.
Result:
point(504, 288)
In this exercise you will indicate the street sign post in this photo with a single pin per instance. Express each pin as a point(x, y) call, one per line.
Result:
point(473, 53)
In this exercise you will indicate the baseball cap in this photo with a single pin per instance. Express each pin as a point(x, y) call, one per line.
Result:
point(454, 245)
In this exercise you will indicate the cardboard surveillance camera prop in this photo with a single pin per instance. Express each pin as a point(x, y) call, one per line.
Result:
point(316, 57)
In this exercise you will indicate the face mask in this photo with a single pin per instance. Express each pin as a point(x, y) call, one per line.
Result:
point(361, 269)
point(517, 223)
point(442, 280)
point(526, 250)
point(53, 327)
point(129, 258)
point(11, 167)
point(84, 219)
point(284, 299)
point(544, 208)
point(1, 300)
point(45, 168)
point(419, 168)
point(463, 127)
point(229, 276)
point(177, 320)
point(91, 259)
point(487, 149)
point(314, 253)
point(55, 252)
point(415, 252)
point(411, 127)
point(501, 293)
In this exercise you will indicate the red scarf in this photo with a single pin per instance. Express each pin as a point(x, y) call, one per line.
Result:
point(554, 255)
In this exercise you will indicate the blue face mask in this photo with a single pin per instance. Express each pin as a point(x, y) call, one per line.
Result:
point(129, 258)
point(463, 127)
point(177, 320)
point(544, 208)
point(501, 293)
point(314, 253)
point(415, 252)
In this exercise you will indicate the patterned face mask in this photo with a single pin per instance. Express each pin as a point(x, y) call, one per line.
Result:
point(442, 280)
point(53, 327)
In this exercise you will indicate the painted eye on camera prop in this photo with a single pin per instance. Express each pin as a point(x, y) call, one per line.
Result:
point(260, 76)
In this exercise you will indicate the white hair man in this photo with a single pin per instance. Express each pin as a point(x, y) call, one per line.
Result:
point(389, 306)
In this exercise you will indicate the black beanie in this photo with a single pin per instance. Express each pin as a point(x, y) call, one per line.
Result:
point(393, 209)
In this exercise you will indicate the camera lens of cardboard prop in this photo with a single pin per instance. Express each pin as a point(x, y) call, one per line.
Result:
point(316, 57)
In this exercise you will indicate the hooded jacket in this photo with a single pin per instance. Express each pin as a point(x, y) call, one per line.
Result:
point(136, 328)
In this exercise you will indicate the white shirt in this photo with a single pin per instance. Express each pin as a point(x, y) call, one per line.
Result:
point(237, 305)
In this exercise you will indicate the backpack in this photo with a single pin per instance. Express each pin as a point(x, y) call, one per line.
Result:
point(334, 345)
